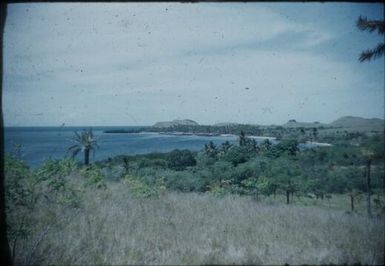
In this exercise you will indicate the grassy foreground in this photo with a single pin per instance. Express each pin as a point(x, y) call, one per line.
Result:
point(111, 227)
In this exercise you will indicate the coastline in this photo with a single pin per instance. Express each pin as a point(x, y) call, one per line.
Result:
point(179, 133)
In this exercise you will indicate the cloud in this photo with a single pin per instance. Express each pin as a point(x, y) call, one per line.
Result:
point(137, 63)
point(92, 35)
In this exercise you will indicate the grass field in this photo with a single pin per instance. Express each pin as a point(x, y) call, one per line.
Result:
point(111, 227)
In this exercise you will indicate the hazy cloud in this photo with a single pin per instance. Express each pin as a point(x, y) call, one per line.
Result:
point(137, 63)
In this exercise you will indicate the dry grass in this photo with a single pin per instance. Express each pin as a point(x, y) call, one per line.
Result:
point(110, 227)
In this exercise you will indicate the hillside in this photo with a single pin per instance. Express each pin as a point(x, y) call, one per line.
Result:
point(346, 122)
point(293, 123)
point(349, 123)
point(353, 122)
point(184, 122)
point(224, 124)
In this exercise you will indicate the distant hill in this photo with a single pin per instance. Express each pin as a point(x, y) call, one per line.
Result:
point(223, 124)
point(293, 123)
point(347, 123)
point(359, 123)
point(184, 122)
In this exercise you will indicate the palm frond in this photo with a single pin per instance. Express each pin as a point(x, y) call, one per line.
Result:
point(83, 141)
point(90, 133)
point(75, 149)
point(373, 53)
point(77, 135)
point(371, 25)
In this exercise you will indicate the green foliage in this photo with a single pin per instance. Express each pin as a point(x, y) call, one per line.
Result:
point(84, 142)
point(186, 181)
point(20, 184)
point(250, 185)
point(244, 171)
point(236, 155)
point(266, 185)
point(180, 159)
point(265, 146)
point(204, 160)
point(247, 144)
point(284, 147)
point(210, 150)
point(223, 149)
point(51, 168)
point(93, 176)
point(217, 190)
point(155, 163)
point(139, 189)
point(221, 170)
point(26, 190)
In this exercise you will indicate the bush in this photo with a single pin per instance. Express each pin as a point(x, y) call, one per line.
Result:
point(222, 170)
point(155, 163)
point(94, 176)
point(139, 189)
point(52, 168)
point(204, 160)
point(113, 173)
point(242, 172)
point(236, 155)
point(180, 159)
point(186, 182)
point(26, 191)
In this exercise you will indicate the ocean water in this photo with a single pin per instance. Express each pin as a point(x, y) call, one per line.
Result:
point(41, 143)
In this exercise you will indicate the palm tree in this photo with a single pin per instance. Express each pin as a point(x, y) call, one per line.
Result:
point(85, 142)
point(372, 25)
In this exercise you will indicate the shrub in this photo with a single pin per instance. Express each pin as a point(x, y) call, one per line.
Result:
point(52, 168)
point(217, 190)
point(222, 170)
point(236, 155)
point(155, 163)
point(94, 177)
point(242, 172)
point(180, 159)
point(139, 189)
point(113, 173)
point(185, 181)
point(204, 160)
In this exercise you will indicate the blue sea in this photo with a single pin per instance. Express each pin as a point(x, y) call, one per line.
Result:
point(41, 143)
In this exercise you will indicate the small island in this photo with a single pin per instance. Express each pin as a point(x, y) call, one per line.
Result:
point(307, 130)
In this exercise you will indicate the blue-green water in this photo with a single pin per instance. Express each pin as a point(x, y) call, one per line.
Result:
point(41, 143)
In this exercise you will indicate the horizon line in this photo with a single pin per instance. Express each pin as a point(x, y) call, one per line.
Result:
point(252, 124)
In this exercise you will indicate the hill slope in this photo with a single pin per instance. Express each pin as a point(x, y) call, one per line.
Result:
point(293, 123)
point(358, 123)
point(184, 122)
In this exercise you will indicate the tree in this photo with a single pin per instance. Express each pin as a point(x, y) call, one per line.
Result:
point(242, 139)
point(210, 150)
point(266, 145)
point(236, 155)
point(368, 156)
point(314, 134)
point(285, 174)
point(85, 142)
point(289, 147)
point(372, 25)
point(180, 159)
point(225, 146)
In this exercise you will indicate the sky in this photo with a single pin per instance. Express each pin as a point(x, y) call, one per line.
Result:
point(107, 64)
